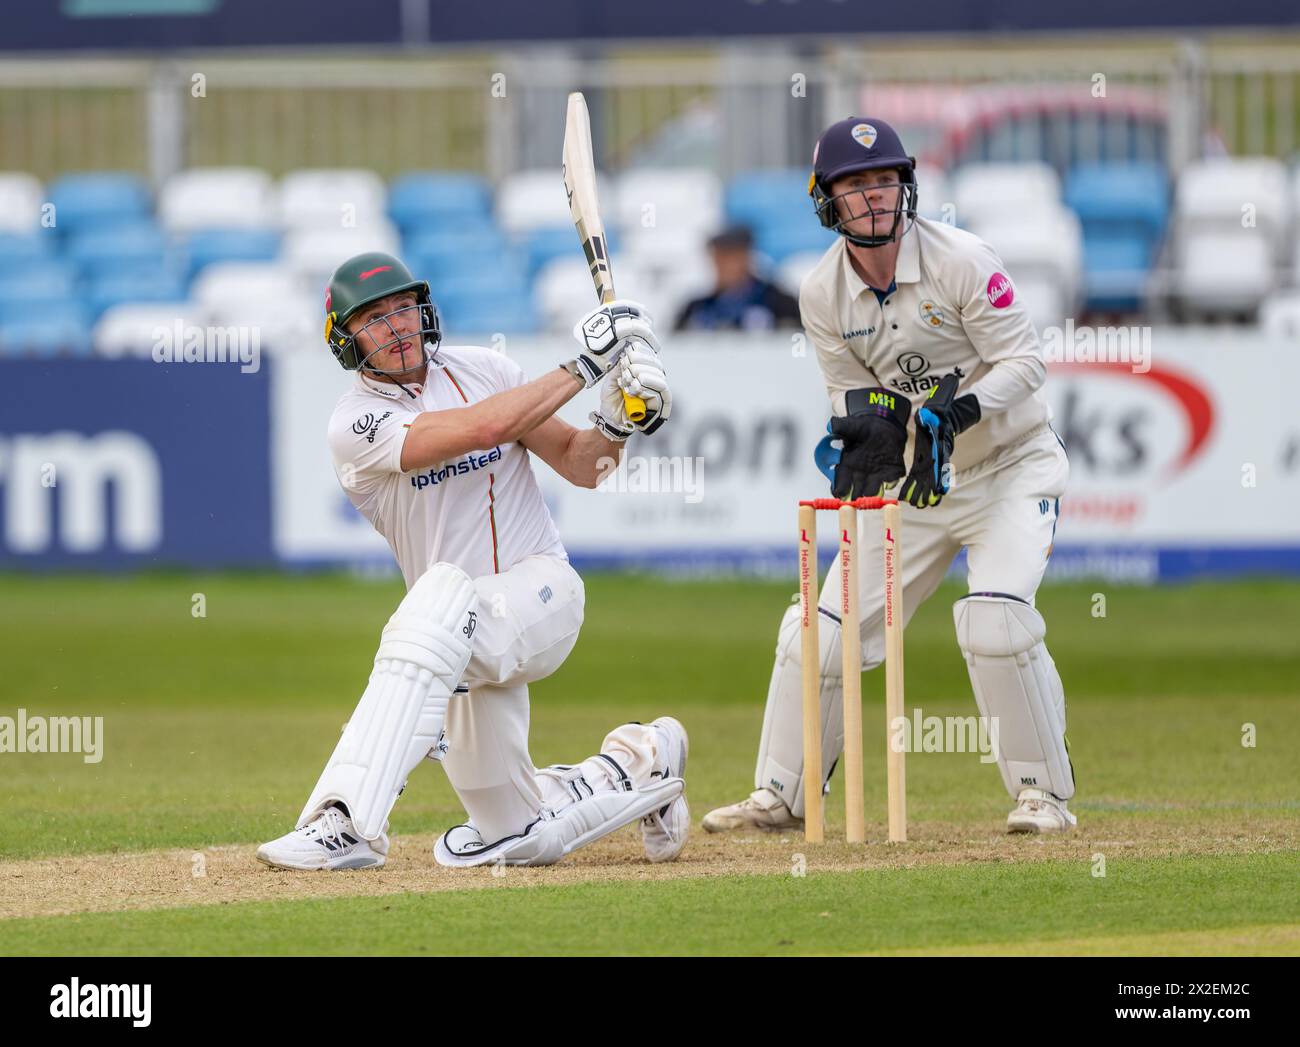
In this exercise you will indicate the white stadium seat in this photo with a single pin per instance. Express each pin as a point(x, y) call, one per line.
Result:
point(564, 292)
point(286, 324)
point(1051, 246)
point(217, 198)
point(20, 202)
point(1280, 315)
point(226, 282)
point(528, 200)
point(674, 199)
point(792, 271)
point(982, 191)
point(933, 192)
point(1224, 193)
point(314, 254)
point(132, 328)
point(1223, 272)
point(1043, 298)
point(330, 198)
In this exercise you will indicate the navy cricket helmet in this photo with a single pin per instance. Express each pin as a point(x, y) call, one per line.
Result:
point(861, 143)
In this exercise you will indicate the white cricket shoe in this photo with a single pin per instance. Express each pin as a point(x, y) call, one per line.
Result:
point(330, 842)
point(763, 809)
point(1038, 811)
point(664, 831)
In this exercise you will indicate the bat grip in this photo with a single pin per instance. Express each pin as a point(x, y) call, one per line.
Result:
point(634, 406)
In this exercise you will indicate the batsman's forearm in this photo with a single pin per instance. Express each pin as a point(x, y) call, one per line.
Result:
point(591, 456)
point(502, 418)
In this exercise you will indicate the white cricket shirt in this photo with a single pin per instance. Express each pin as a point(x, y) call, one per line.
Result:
point(481, 511)
point(954, 309)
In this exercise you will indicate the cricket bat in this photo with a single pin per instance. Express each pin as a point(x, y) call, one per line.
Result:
point(580, 184)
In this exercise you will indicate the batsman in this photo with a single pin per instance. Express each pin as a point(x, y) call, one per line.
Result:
point(935, 375)
point(434, 444)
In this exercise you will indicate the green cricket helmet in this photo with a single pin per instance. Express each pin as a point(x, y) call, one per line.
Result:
point(367, 278)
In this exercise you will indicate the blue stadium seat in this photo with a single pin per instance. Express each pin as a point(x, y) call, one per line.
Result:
point(780, 241)
point(1115, 197)
point(761, 198)
point(18, 252)
point(50, 273)
point(65, 332)
point(423, 201)
point(125, 248)
point(540, 246)
point(481, 312)
point(40, 292)
point(1123, 209)
point(98, 200)
point(161, 285)
point(231, 245)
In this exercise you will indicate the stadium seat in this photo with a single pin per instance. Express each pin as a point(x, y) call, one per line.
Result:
point(563, 292)
point(780, 241)
point(790, 275)
point(1222, 272)
point(331, 199)
point(1051, 246)
point(760, 198)
point(1117, 267)
point(482, 312)
point(1043, 298)
point(120, 248)
point(985, 192)
point(209, 246)
point(933, 193)
point(17, 252)
point(50, 273)
point(137, 285)
point(431, 255)
point(314, 254)
point(32, 297)
point(20, 203)
point(64, 333)
point(285, 323)
point(1120, 198)
point(1280, 315)
point(132, 328)
point(224, 283)
point(98, 201)
point(685, 200)
point(217, 198)
point(423, 202)
point(528, 200)
point(1221, 194)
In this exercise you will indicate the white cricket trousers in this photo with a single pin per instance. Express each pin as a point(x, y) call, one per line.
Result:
point(1003, 511)
point(528, 621)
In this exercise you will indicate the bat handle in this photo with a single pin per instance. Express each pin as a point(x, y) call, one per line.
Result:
point(634, 406)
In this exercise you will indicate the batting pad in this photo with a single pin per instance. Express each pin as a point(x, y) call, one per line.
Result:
point(422, 655)
point(1018, 691)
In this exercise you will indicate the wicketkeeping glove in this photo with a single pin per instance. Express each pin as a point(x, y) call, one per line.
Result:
point(874, 433)
point(605, 332)
point(937, 424)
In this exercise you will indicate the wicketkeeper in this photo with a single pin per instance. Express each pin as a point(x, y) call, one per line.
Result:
point(929, 358)
point(432, 444)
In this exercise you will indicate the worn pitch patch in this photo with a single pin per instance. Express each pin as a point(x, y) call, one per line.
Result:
point(172, 878)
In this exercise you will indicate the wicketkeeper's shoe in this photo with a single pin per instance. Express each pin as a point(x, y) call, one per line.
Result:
point(1038, 811)
point(762, 809)
point(330, 842)
point(664, 831)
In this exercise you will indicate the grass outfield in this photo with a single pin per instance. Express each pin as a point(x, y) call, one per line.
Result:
point(216, 727)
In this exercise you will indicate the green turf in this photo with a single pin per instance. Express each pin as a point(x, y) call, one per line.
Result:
point(216, 727)
point(829, 913)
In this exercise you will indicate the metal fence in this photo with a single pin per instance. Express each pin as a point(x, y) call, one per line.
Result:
point(728, 107)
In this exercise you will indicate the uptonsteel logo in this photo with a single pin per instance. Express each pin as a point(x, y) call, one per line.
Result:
point(469, 464)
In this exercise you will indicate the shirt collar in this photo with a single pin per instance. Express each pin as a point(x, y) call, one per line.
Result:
point(907, 267)
point(387, 389)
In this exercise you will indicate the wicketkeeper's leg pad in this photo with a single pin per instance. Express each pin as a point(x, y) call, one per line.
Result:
point(1018, 690)
point(422, 655)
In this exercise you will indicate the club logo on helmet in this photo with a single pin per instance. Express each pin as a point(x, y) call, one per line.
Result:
point(864, 135)
point(378, 269)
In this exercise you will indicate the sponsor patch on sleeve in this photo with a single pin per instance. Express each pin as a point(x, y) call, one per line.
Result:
point(1000, 292)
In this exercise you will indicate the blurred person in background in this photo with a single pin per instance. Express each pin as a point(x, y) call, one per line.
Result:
point(741, 300)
